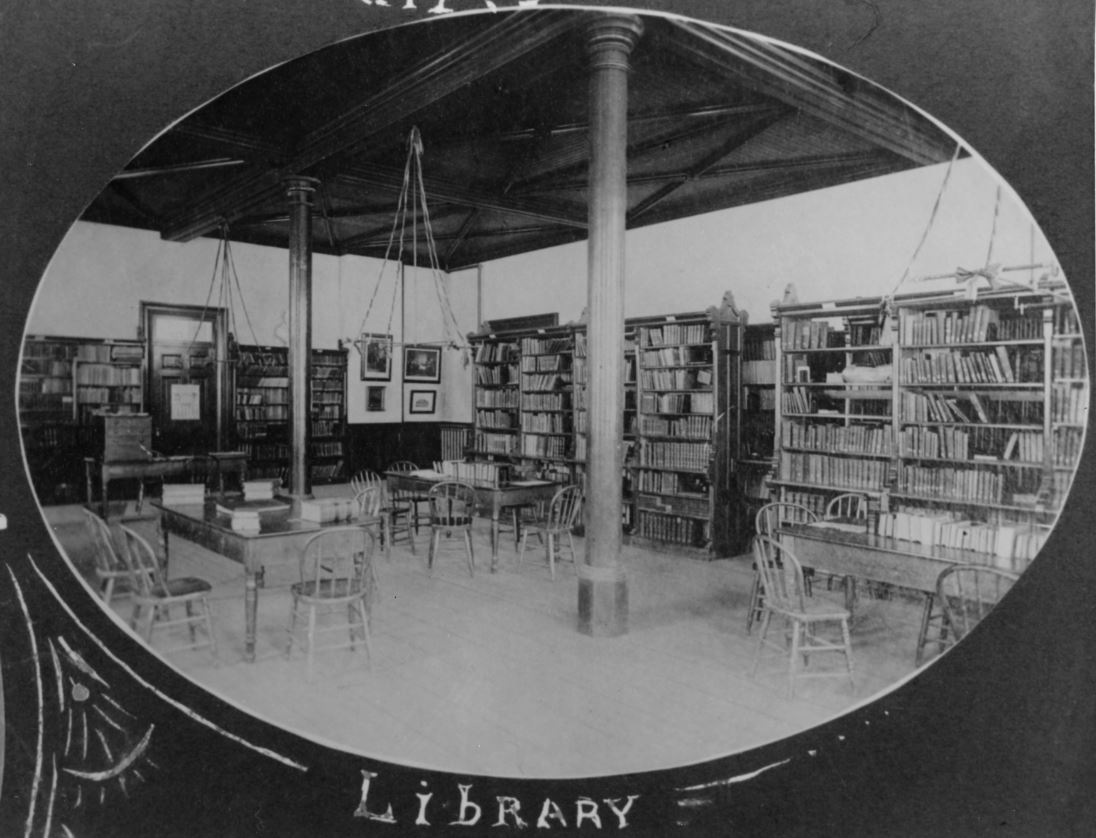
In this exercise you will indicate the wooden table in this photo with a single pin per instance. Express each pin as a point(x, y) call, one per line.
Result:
point(906, 564)
point(280, 539)
point(225, 462)
point(490, 500)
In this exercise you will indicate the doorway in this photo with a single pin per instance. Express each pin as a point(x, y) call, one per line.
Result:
point(186, 377)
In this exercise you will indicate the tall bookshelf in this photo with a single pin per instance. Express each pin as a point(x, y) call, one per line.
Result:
point(681, 425)
point(261, 411)
point(758, 400)
point(63, 382)
point(961, 419)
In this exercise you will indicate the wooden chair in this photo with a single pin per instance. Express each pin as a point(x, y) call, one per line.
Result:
point(154, 595)
point(965, 594)
point(416, 503)
point(558, 520)
point(397, 526)
point(109, 567)
point(336, 567)
point(848, 507)
point(767, 522)
point(452, 510)
point(785, 598)
point(372, 514)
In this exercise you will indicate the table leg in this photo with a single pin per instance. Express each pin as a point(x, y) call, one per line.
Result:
point(251, 611)
point(494, 539)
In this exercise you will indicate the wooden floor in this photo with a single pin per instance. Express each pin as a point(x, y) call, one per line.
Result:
point(489, 675)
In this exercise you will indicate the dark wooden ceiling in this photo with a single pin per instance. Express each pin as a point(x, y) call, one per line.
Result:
point(716, 120)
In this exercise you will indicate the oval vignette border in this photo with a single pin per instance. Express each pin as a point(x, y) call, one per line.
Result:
point(84, 87)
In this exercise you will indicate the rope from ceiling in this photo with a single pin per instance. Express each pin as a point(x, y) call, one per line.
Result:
point(410, 205)
point(226, 281)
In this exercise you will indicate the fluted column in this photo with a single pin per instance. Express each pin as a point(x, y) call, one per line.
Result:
point(299, 190)
point(603, 590)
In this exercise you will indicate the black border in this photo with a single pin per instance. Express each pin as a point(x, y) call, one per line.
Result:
point(996, 738)
point(411, 402)
point(421, 379)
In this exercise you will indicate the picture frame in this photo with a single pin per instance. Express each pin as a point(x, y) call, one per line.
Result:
point(375, 399)
point(376, 352)
point(422, 363)
point(422, 401)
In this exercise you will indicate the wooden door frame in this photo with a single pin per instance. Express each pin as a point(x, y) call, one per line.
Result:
point(217, 316)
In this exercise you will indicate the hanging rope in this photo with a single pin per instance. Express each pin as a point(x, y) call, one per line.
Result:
point(414, 206)
point(224, 279)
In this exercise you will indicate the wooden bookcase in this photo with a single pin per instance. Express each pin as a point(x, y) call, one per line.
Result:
point(961, 419)
point(261, 411)
point(758, 399)
point(681, 419)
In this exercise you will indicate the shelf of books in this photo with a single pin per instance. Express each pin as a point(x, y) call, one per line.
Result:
point(686, 430)
point(758, 400)
point(261, 411)
point(546, 416)
point(108, 377)
point(961, 418)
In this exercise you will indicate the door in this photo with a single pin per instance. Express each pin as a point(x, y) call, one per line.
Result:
point(186, 392)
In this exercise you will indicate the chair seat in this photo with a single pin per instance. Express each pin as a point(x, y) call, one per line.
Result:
point(451, 521)
point(327, 589)
point(813, 611)
point(184, 586)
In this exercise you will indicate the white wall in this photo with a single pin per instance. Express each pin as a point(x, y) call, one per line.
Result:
point(842, 242)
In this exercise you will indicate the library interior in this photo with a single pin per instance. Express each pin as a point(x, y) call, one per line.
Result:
point(621, 391)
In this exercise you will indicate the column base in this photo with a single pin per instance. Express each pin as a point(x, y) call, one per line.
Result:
point(602, 601)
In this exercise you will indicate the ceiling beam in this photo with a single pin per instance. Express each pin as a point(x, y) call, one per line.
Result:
point(735, 140)
point(177, 168)
point(440, 75)
point(838, 99)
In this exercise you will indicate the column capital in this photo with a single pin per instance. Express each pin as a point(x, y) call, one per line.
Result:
point(611, 38)
point(299, 186)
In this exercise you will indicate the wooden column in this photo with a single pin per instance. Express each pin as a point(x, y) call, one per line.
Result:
point(603, 590)
point(299, 190)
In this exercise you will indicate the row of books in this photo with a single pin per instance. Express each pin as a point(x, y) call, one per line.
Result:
point(1069, 403)
point(326, 449)
point(508, 398)
point(845, 439)
point(325, 427)
point(689, 427)
point(808, 334)
point(266, 450)
point(758, 349)
point(684, 456)
point(106, 375)
point(672, 483)
point(797, 400)
point(1066, 321)
point(671, 356)
point(279, 381)
point(545, 401)
point(545, 363)
point(477, 473)
point(974, 367)
point(964, 484)
point(262, 413)
point(972, 325)
point(497, 375)
point(948, 443)
point(534, 445)
point(677, 379)
point(494, 419)
point(545, 423)
point(702, 402)
point(1069, 360)
point(104, 353)
point(676, 529)
point(1010, 545)
point(261, 395)
point(674, 505)
point(826, 470)
point(324, 374)
point(761, 400)
point(494, 443)
point(674, 333)
point(545, 382)
point(1067, 445)
point(494, 353)
point(759, 372)
point(327, 411)
point(545, 346)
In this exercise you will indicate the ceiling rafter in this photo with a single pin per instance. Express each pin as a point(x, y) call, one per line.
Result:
point(839, 101)
point(429, 81)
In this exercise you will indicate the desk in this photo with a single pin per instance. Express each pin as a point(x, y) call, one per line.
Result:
point(129, 469)
point(281, 538)
point(491, 500)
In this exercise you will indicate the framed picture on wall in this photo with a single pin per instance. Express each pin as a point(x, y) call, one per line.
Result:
point(374, 399)
point(376, 357)
point(422, 363)
point(422, 401)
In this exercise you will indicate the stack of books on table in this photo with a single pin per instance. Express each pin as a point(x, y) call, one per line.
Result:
point(246, 515)
point(183, 494)
point(259, 489)
point(326, 510)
